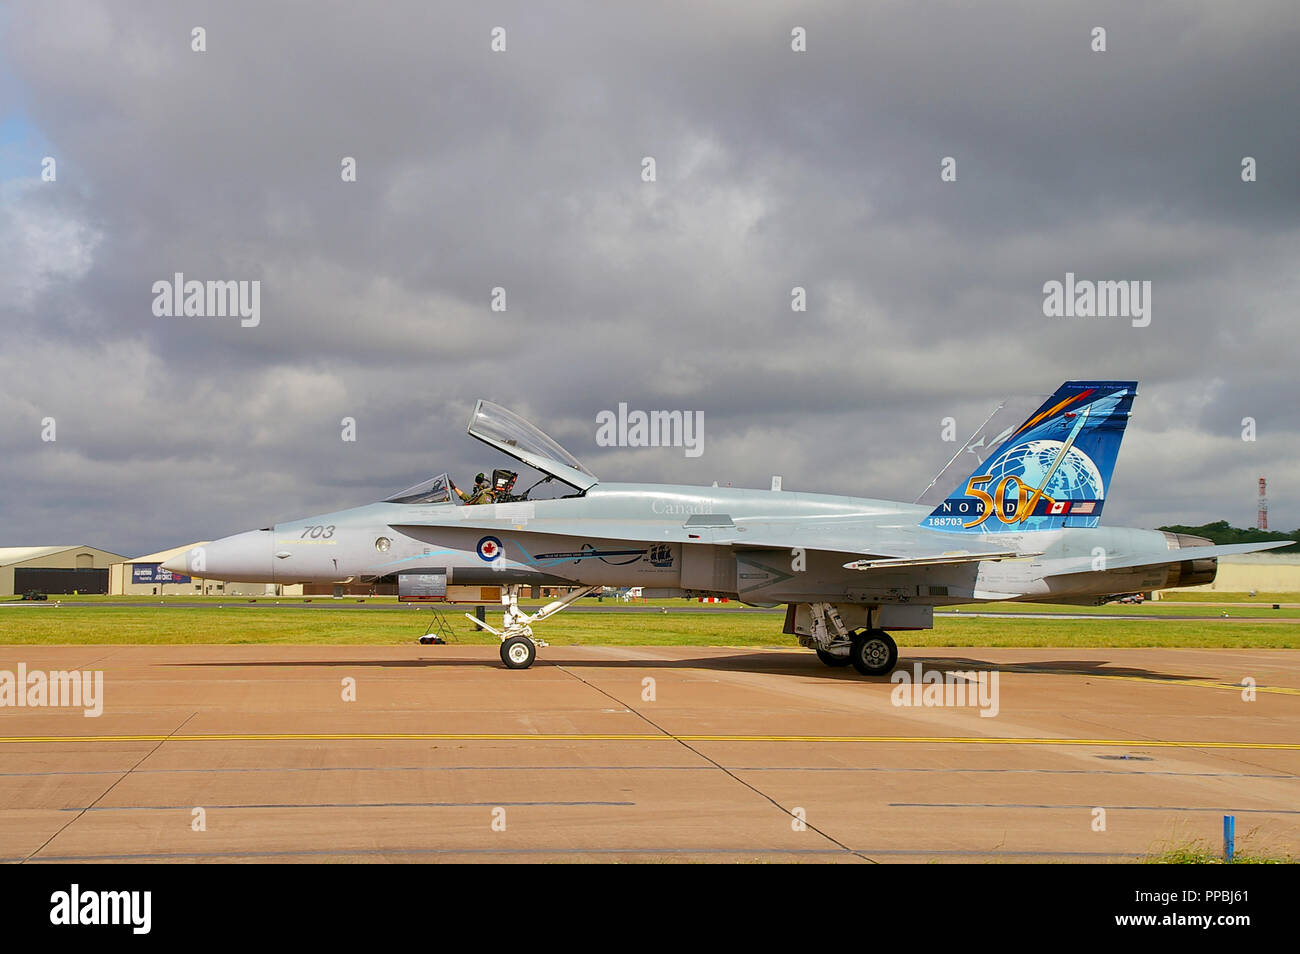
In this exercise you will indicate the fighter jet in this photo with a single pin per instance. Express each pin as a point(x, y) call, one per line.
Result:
point(1024, 525)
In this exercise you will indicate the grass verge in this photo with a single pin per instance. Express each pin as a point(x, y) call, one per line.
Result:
point(73, 624)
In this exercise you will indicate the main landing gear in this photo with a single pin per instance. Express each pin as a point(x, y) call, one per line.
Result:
point(518, 644)
point(871, 652)
point(832, 660)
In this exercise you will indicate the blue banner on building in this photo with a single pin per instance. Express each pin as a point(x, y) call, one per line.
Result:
point(154, 573)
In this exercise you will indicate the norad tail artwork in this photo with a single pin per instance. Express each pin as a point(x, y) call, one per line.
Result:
point(1053, 470)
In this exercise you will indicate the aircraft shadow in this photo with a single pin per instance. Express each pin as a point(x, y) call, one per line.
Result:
point(792, 664)
point(801, 664)
point(1063, 667)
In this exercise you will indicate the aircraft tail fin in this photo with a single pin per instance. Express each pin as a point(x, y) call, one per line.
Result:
point(1053, 471)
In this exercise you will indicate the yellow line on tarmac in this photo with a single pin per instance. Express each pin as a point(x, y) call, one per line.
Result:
point(542, 737)
point(1202, 684)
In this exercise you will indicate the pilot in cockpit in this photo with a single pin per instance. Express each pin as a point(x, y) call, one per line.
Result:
point(482, 493)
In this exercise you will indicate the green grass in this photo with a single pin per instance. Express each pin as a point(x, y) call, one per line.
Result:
point(336, 624)
point(347, 600)
point(342, 624)
point(1200, 852)
point(1237, 609)
point(1210, 596)
point(1154, 609)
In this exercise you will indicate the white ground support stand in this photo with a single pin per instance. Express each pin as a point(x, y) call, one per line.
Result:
point(518, 644)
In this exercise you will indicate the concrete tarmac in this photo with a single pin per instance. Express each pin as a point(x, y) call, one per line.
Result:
point(255, 753)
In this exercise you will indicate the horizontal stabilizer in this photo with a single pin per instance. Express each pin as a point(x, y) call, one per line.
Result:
point(1187, 553)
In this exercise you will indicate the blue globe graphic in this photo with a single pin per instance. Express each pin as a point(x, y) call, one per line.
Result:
point(1076, 479)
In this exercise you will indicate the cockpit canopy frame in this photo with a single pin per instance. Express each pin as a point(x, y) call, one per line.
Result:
point(431, 491)
point(509, 433)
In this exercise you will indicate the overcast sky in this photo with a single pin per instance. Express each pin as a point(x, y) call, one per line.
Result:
point(523, 169)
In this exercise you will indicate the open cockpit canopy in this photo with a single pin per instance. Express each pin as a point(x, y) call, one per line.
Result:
point(511, 434)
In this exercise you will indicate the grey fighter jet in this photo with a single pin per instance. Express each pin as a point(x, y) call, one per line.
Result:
point(1025, 525)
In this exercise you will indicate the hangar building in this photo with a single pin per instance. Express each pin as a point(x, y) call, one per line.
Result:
point(1257, 572)
point(60, 570)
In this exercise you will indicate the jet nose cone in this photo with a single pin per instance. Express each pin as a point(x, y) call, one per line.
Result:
point(244, 558)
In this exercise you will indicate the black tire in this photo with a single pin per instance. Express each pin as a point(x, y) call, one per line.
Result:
point(518, 652)
point(830, 659)
point(874, 652)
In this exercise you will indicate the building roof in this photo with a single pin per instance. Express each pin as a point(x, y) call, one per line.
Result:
point(162, 556)
point(12, 555)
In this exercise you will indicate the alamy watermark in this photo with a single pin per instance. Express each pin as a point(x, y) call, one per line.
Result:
point(57, 689)
point(179, 298)
point(76, 906)
point(624, 428)
point(1084, 298)
point(935, 689)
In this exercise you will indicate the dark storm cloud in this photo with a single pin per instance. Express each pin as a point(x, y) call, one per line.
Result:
point(522, 170)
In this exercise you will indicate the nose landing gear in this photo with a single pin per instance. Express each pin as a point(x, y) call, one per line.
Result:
point(518, 644)
point(518, 652)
